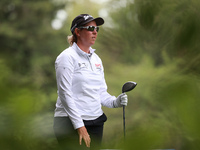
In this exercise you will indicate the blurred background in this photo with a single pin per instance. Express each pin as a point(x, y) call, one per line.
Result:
point(154, 43)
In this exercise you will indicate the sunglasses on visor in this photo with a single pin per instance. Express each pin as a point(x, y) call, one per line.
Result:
point(90, 28)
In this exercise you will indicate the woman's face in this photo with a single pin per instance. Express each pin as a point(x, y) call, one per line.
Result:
point(88, 38)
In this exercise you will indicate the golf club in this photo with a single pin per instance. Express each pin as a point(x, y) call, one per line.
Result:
point(128, 86)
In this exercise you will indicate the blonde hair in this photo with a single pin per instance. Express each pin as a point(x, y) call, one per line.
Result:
point(71, 39)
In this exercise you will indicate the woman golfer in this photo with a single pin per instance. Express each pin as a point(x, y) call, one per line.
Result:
point(82, 89)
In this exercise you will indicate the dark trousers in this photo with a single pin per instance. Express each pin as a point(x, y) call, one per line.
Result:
point(68, 138)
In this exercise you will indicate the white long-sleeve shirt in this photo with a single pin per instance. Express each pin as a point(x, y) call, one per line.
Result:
point(82, 89)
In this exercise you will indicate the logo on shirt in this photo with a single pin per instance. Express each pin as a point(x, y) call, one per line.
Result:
point(98, 66)
point(82, 65)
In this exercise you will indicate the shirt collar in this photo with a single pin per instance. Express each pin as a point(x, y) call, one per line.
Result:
point(76, 47)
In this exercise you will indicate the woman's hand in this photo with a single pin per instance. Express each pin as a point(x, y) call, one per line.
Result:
point(122, 100)
point(83, 134)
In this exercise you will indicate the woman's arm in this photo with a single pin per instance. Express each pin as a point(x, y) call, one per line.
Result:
point(64, 74)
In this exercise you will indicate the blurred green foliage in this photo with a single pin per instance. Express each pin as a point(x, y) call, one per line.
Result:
point(154, 43)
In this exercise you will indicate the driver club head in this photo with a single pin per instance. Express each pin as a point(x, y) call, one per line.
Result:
point(128, 86)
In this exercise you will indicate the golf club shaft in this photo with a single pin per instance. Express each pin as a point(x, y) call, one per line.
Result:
point(124, 121)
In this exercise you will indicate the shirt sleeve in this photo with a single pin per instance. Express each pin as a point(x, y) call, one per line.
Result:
point(64, 73)
point(106, 99)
